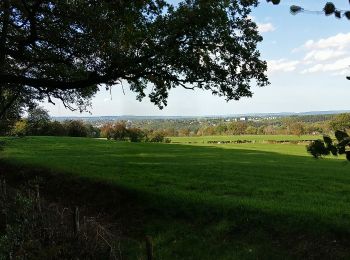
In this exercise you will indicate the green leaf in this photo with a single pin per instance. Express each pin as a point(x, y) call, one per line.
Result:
point(294, 9)
point(327, 140)
point(333, 150)
point(317, 149)
point(337, 14)
point(348, 155)
point(340, 135)
point(345, 142)
point(341, 150)
point(329, 8)
point(347, 15)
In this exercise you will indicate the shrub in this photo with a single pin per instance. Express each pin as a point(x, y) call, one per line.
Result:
point(120, 133)
point(55, 128)
point(107, 131)
point(156, 137)
point(136, 135)
point(92, 131)
point(76, 128)
point(20, 128)
point(38, 121)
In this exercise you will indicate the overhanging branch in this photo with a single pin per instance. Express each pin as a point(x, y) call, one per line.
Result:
point(93, 79)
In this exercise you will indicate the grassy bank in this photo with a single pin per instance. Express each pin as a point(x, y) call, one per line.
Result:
point(229, 201)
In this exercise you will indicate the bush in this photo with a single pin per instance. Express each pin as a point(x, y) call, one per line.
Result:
point(55, 128)
point(38, 121)
point(76, 128)
point(20, 128)
point(136, 135)
point(156, 137)
point(107, 131)
point(120, 133)
point(92, 131)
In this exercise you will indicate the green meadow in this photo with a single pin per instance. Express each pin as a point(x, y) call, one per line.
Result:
point(255, 138)
point(205, 201)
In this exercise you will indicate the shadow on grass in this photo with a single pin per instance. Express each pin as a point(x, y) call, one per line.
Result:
point(259, 195)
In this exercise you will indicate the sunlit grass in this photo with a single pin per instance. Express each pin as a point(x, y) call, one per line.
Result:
point(277, 185)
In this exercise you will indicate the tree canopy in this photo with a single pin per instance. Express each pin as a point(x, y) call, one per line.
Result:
point(68, 49)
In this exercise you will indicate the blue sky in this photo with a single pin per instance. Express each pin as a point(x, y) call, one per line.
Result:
point(308, 57)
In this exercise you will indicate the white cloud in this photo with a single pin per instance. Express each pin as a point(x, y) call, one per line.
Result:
point(340, 41)
point(266, 27)
point(323, 55)
point(339, 67)
point(263, 27)
point(282, 65)
point(330, 54)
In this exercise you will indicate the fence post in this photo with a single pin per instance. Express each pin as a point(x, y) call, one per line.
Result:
point(149, 248)
point(37, 197)
point(3, 189)
point(76, 225)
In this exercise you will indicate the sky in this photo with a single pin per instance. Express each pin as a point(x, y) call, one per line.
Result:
point(308, 57)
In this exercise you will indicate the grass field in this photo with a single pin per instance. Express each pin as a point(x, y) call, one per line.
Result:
point(256, 138)
point(227, 201)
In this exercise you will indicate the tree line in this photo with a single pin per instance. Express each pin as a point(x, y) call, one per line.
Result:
point(305, 125)
point(38, 122)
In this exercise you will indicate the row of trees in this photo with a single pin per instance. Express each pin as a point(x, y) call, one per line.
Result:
point(38, 122)
point(287, 126)
point(121, 132)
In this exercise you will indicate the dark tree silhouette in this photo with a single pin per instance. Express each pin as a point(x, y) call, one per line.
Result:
point(320, 148)
point(328, 9)
point(67, 49)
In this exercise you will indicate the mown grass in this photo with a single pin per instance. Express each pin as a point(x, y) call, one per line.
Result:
point(229, 201)
point(255, 138)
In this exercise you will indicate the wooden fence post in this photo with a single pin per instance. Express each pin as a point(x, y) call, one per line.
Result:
point(149, 248)
point(37, 197)
point(3, 189)
point(76, 225)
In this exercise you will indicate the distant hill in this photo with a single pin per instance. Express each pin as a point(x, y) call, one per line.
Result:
point(133, 117)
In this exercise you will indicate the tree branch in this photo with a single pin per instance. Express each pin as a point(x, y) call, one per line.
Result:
point(93, 79)
point(5, 108)
point(3, 37)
